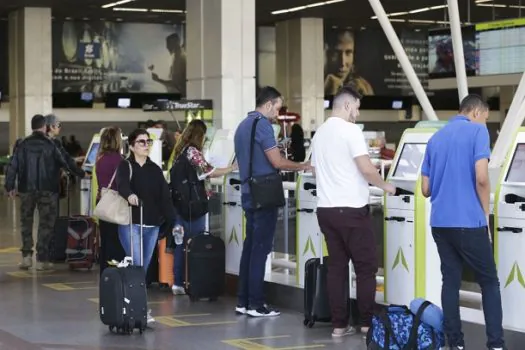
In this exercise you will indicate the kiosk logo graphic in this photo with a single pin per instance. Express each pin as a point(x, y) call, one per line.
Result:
point(233, 236)
point(515, 273)
point(309, 247)
point(400, 258)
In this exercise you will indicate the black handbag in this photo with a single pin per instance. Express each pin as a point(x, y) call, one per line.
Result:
point(266, 190)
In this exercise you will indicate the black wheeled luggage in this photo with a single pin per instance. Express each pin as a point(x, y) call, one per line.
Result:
point(205, 267)
point(123, 300)
point(316, 305)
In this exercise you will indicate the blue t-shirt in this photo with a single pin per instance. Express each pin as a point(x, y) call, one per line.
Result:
point(449, 163)
point(264, 141)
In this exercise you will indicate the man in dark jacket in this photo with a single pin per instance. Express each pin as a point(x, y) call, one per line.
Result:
point(35, 165)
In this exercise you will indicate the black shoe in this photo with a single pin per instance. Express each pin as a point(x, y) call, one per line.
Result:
point(263, 311)
point(457, 348)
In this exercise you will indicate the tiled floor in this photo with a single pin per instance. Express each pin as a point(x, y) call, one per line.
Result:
point(58, 311)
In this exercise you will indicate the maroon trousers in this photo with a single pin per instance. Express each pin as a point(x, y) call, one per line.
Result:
point(349, 236)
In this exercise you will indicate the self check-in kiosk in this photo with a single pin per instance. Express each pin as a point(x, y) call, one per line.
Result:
point(86, 183)
point(509, 235)
point(411, 261)
point(309, 238)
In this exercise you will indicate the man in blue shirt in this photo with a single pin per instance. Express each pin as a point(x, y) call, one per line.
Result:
point(455, 176)
point(261, 223)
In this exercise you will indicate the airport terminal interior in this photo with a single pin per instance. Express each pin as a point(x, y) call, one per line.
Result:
point(160, 64)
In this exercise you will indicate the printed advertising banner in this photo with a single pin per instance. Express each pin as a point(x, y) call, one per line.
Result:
point(102, 57)
point(366, 60)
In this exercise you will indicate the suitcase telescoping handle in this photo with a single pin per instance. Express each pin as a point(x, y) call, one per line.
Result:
point(321, 247)
point(141, 230)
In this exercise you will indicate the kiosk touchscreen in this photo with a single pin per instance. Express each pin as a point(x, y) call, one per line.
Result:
point(412, 265)
point(509, 235)
point(86, 183)
point(91, 155)
point(155, 153)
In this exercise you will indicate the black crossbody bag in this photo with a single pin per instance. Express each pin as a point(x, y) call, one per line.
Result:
point(266, 190)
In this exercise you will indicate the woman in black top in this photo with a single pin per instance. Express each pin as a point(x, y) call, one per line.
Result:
point(140, 179)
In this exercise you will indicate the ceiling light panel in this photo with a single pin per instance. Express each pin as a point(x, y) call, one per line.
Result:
point(305, 7)
point(129, 9)
point(419, 10)
point(116, 3)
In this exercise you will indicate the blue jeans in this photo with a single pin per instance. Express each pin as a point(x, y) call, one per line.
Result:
point(472, 247)
point(260, 231)
point(149, 239)
point(191, 229)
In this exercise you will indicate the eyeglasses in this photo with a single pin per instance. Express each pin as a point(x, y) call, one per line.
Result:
point(144, 143)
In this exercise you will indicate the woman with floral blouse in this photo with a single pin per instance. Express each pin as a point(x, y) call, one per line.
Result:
point(190, 145)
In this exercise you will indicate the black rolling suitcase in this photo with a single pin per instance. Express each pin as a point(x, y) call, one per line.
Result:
point(316, 306)
point(205, 267)
point(123, 296)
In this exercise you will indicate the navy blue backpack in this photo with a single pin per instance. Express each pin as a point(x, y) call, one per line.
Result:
point(397, 328)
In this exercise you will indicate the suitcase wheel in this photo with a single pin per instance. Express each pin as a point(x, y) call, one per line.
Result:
point(214, 299)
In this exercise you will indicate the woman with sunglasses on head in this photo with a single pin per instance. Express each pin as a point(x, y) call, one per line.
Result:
point(141, 180)
point(189, 145)
point(106, 164)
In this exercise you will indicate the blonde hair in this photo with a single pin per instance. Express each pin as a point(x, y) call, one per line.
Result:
point(193, 135)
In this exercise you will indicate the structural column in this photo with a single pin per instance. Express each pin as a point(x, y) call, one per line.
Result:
point(300, 68)
point(221, 37)
point(30, 76)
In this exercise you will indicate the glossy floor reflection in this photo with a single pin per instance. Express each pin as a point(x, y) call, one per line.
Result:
point(58, 311)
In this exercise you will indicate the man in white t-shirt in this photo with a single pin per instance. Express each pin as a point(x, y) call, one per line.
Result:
point(343, 172)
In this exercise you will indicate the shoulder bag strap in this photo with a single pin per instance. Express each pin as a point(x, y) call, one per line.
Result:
point(252, 144)
point(112, 178)
point(412, 340)
point(389, 331)
point(130, 170)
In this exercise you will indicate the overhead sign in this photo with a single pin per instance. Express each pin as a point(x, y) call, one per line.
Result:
point(182, 105)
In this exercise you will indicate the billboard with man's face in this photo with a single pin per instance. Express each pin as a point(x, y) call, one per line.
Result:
point(364, 59)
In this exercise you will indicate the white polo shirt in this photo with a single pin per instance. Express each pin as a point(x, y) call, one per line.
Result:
point(339, 182)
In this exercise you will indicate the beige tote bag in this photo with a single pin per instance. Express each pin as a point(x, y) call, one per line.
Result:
point(112, 207)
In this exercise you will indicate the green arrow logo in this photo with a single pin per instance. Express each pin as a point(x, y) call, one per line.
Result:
point(515, 273)
point(233, 236)
point(309, 247)
point(400, 258)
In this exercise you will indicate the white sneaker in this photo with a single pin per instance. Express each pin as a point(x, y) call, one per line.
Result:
point(178, 290)
point(150, 318)
point(341, 332)
point(240, 310)
point(263, 311)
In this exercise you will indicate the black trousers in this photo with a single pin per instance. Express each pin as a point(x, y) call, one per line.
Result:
point(110, 246)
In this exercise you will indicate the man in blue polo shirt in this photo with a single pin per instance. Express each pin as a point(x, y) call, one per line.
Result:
point(261, 223)
point(456, 178)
